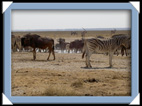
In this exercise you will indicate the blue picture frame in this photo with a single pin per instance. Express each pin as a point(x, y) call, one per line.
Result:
point(71, 99)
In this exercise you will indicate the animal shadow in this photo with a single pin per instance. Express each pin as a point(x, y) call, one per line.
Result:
point(32, 60)
point(104, 68)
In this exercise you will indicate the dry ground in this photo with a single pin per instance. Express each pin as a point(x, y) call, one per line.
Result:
point(66, 76)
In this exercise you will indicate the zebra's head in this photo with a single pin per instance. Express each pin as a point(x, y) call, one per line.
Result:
point(126, 41)
point(123, 40)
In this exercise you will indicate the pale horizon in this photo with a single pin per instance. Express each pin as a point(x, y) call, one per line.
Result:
point(69, 19)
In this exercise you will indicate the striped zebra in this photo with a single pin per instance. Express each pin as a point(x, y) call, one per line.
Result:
point(124, 49)
point(110, 45)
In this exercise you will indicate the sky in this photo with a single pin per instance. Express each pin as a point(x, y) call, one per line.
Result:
point(69, 19)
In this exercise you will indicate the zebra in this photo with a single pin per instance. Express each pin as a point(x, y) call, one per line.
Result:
point(109, 45)
point(122, 48)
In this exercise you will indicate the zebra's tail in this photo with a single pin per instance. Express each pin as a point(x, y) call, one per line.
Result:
point(83, 54)
point(84, 49)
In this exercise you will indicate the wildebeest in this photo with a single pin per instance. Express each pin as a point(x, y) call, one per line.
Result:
point(76, 45)
point(35, 41)
point(13, 43)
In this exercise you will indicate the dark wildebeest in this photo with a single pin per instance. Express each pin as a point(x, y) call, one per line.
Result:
point(35, 41)
point(76, 45)
point(13, 43)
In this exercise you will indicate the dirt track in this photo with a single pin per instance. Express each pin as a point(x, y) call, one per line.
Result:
point(66, 76)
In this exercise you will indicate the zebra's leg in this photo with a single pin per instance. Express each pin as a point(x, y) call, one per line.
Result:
point(88, 60)
point(110, 59)
point(53, 54)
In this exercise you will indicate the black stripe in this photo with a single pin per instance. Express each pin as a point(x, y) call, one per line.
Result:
point(99, 44)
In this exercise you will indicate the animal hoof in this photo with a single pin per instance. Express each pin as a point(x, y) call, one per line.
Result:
point(90, 67)
point(110, 66)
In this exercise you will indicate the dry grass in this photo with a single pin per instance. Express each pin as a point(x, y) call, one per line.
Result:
point(66, 76)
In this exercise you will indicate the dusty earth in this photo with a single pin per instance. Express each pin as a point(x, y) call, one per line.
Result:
point(67, 75)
